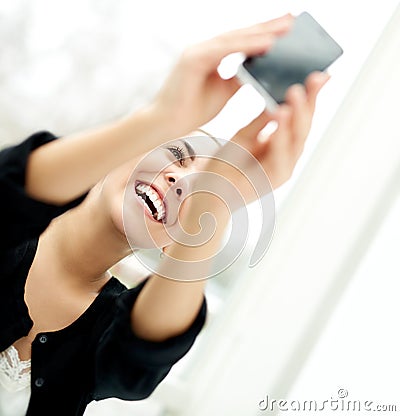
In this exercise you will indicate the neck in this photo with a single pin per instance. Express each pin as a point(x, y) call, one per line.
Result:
point(87, 241)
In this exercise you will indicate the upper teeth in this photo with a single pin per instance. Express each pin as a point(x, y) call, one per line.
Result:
point(142, 188)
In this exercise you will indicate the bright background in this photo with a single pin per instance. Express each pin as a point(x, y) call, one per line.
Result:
point(320, 312)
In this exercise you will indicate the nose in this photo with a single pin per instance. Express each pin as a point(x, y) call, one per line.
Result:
point(172, 180)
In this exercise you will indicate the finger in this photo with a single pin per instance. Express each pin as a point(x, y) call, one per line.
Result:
point(278, 157)
point(254, 40)
point(278, 142)
point(314, 82)
point(283, 116)
point(208, 55)
point(231, 86)
point(277, 26)
point(249, 133)
point(296, 98)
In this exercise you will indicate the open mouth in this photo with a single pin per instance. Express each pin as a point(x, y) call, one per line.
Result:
point(152, 200)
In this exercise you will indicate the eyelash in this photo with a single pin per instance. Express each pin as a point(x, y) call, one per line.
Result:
point(178, 153)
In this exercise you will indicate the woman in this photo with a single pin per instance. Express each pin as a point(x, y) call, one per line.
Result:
point(88, 337)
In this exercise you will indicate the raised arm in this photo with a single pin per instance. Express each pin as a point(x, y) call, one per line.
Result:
point(165, 307)
point(192, 95)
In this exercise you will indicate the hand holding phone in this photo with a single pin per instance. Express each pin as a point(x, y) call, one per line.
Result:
point(306, 48)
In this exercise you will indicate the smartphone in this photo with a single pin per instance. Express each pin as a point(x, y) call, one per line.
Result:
point(307, 47)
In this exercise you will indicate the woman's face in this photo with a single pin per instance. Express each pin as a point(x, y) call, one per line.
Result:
point(147, 193)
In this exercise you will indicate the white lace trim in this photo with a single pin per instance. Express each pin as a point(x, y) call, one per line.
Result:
point(15, 374)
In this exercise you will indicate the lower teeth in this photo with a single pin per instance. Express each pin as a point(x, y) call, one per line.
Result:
point(155, 215)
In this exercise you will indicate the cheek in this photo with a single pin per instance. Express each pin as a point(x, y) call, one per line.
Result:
point(127, 213)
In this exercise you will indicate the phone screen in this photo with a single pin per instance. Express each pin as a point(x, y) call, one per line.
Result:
point(307, 47)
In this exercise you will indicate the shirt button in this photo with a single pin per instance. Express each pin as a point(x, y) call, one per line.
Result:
point(43, 339)
point(39, 382)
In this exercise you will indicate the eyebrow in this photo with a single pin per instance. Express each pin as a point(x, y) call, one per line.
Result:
point(190, 150)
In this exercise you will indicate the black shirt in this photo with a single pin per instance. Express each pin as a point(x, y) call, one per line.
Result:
point(97, 356)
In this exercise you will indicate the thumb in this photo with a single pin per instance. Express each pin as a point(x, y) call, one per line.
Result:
point(232, 86)
point(248, 134)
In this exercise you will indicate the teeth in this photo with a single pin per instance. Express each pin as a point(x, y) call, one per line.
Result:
point(152, 196)
point(143, 189)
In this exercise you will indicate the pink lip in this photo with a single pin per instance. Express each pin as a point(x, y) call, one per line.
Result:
point(160, 194)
